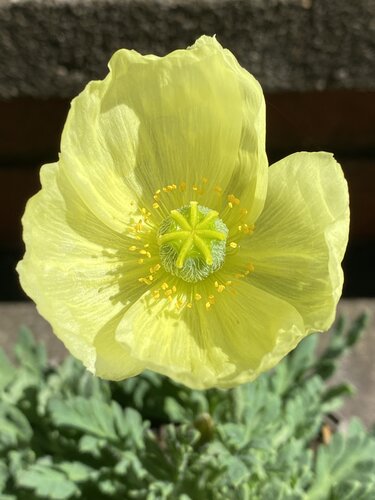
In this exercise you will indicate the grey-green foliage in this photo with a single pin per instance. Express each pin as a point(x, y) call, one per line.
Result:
point(65, 434)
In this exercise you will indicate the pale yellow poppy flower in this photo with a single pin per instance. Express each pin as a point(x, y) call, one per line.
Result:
point(161, 239)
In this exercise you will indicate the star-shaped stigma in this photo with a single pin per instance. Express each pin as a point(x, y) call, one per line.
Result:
point(194, 233)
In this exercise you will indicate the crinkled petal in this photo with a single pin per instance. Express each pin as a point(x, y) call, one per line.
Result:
point(242, 335)
point(251, 171)
point(301, 236)
point(157, 121)
point(74, 271)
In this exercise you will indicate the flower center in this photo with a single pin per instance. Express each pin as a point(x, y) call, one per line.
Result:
point(192, 242)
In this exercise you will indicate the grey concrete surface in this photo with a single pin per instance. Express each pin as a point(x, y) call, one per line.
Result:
point(358, 367)
point(53, 47)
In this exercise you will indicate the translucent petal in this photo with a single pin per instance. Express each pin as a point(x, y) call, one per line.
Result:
point(232, 342)
point(158, 121)
point(251, 171)
point(301, 236)
point(113, 361)
point(74, 270)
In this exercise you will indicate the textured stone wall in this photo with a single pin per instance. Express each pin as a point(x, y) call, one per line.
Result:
point(53, 47)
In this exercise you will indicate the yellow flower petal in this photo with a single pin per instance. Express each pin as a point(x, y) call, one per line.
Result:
point(155, 122)
point(301, 236)
point(113, 361)
point(251, 172)
point(73, 269)
point(98, 154)
point(138, 147)
point(232, 341)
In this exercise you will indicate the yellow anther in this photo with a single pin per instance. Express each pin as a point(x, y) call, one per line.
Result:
point(140, 261)
point(208, 305)
point(143, 210)
point(155, 205)
point(168, 292)
point(156, 294)
point(229, 283)
point(233, 244)
point(218, 189)
point(247, 229)
point(169, 299)
point(230, 204)
point(239, 275)
point(158, 191)
point(169, 188)
point(165, 286)
point(216, 284)
point(197, 296)
point(195, 187)
point(249, 268)
point(232, 199)
point(144, 280)
point(211, 299)
point(143, 252)
point(132, 248)
point(244, 211)
point(150, 277)
point(221, 288)
point(155, 268)
point(189, 305)
point(174, 289)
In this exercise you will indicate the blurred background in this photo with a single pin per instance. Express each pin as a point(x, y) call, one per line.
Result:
point(314, 58)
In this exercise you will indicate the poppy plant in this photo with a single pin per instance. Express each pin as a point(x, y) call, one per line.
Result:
point(162, 240)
